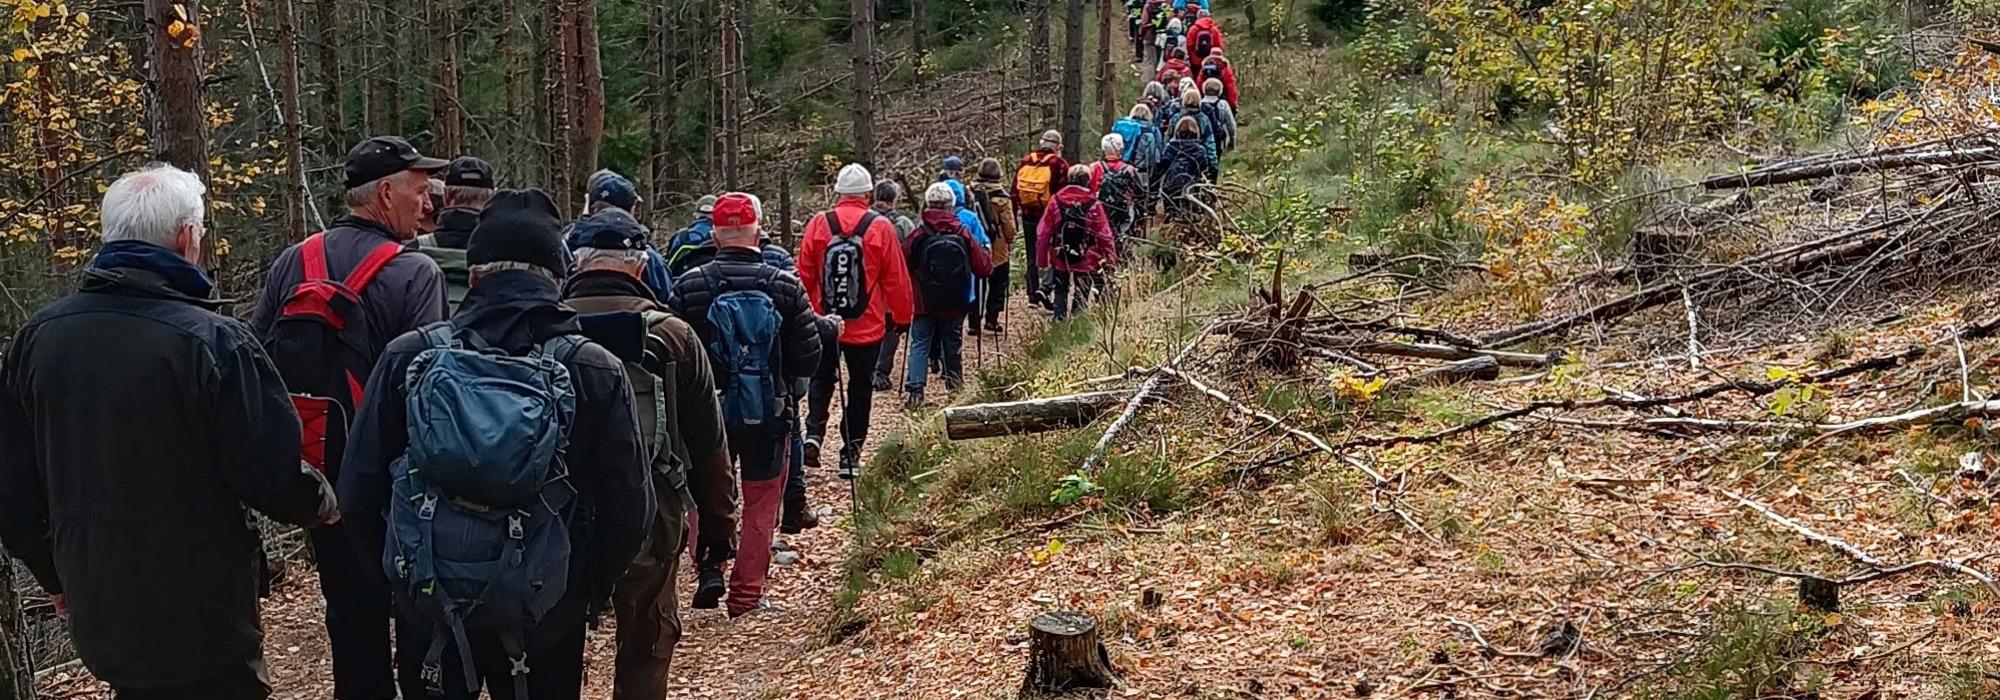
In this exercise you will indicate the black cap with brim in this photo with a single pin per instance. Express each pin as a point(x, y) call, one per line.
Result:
point(384, 156)
point(467, 171)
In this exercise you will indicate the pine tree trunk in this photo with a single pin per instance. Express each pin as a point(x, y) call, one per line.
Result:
point(864, 82)
point(559, 91)
point(446, 117)
point(732, 95)
point(17, 671)
point(1039, 69)
point(289, 110)
point(332, 102)
point(663, 86)
point(513, 135)
point(397, 73)
point(919, 39)
point(1106, 98)
point(375, 71)
point(1072, 84)
point(587, 69)
point(179, 130)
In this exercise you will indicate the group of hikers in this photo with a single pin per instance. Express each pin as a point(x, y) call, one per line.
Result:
point(498, 423)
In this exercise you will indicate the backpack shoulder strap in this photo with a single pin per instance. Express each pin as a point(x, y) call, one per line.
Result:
point(563, 347)
point(312, 254)
point(833, 224)
point(867, 220)
point(364, 273)
point(440, 336)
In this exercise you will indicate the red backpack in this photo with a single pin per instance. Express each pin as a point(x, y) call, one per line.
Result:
point(321, 363)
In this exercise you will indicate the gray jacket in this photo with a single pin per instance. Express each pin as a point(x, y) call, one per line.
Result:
point(406, 295)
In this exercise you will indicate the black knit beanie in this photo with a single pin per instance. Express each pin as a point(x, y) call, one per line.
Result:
point(518, 226)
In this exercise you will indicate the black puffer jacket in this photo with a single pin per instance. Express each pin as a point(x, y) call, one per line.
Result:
point(514, 311)
point(738, 268)
point(136, 424)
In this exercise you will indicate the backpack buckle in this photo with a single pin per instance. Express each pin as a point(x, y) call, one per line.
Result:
point(428, 509)
point(432, 675)
point(520, 665)
point(514, 529)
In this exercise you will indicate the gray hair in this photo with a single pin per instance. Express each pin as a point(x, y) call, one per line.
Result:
point(361, 195)
point(499, 266)
point(469, 197)
point(618, 257)
point(151, 205)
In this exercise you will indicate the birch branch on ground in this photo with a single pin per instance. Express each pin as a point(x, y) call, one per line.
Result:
point(1138, 399)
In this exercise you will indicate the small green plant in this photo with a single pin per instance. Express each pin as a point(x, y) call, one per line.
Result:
point(1072, 488)
point(1971, 680)
point(1749, 653)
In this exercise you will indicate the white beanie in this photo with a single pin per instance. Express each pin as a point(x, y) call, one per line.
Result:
point(940, 193)
point(854, 180)
point(1174, 25)
point(1112, 143)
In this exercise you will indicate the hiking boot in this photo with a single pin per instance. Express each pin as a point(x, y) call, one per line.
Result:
point(762, 605)
point(849, 467)
point(812, 454)
point(911, 402)
point(882, 382)
point(972, 329)
point(708, 593)
point(797, 520)
point(994, 328)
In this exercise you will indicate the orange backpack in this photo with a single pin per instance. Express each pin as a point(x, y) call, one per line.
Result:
point(1033, 180)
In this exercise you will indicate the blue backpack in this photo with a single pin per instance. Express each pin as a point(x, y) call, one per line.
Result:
point(478, 519)
point(743, 347)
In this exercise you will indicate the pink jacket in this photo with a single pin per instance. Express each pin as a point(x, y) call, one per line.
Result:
point(1103, 246)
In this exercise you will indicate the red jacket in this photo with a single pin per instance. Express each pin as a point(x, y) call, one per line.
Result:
point(1205, 25)
point(1102, 246)
point(1228, 79)
point(1174, 66)
point(1058, 170)
point(881, 260)
point(943, 222)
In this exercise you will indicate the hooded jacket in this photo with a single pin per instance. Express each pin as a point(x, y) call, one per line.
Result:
point(887, 278)
point(694, 418)
point(515, 310)
point(1103, 246)
point(1142, 142)
point(1173, 66)
point(940, 222)
point(1205, 25)
point(995, 203)
point(137, 428)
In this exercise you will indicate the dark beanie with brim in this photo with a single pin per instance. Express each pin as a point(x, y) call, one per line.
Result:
point(519, 226)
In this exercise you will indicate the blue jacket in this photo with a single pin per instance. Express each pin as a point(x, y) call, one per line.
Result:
point(970, 219)
point(1143, 142)
point(1180, 5)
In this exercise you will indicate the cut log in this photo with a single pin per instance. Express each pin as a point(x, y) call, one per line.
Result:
point(1783, 173)
point(1819, 594)
point(1030, 416)
point(1482, 368)
point(1064, 655)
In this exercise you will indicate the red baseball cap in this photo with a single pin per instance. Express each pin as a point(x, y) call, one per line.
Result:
point(734, 209)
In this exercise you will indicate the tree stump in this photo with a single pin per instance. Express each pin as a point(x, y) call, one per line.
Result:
point(1819, 594)
point(1064, 655)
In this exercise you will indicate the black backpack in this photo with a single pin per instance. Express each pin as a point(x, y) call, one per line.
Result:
point(1183, 168)
point(1074, 234)
point(843, 286)
point(944, 269)
point(321, 356)
point(1115, 191)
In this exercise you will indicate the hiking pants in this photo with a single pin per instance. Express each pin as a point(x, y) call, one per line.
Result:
point(648, 605)
point(860, 361)
point(249, 680)
point(1071, 288)
point(795, 472)
point(945, 331)
point(761, 459)
point(885, 364)
point(996, 293)
point(357, 617)
point(554, 650)
point(1031, 229)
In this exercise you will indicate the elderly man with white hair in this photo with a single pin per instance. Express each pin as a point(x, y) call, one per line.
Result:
point(145, 423)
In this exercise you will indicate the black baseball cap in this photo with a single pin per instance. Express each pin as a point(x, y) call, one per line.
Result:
point(467, 171)
point(383, 156)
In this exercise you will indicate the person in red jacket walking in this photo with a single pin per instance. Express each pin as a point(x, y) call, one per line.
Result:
point(1217, 66)
point(1036, 180)
point(1076, 242)
point(852, 266)
point(941, 253)
point(1203, 38)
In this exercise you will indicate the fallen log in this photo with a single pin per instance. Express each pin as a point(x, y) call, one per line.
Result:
point(1032, 415)
point(1430, 351)
point(1783, 173)
point(1064, 654)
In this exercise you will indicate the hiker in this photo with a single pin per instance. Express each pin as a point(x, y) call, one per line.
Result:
point(1154, 96)
point(975, 224)
point(995, 204)
point(1187, 163)
point(1036, 180)
point(1191, 107)
point(941, 254)
point(609, 190)
point(429, 224)
point(688, 248)
point(1183, 5)
point(1076, 241)
point(1119, 188)
point(674, 395)
point(888, 198)
point(761, 334)
point(1143, 146)
point(1135, 28)
point(325, 348)
point(468, 183)
point(1220, 114)
point(953, 173)
point(520, 415)
point(1171, 43)
point(1217, 66)
point(1175, 68)
point(852, 266)
point(136, 426)
point(1203, 37)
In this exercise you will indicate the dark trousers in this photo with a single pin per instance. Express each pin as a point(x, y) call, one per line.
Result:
point(1031, 229)
point(357, 618)
point(555, 659)
point(885, 363)
point(246, 681)
point(1071, 289)
point(860, 361)
point(996, 293)
point(795, 475)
